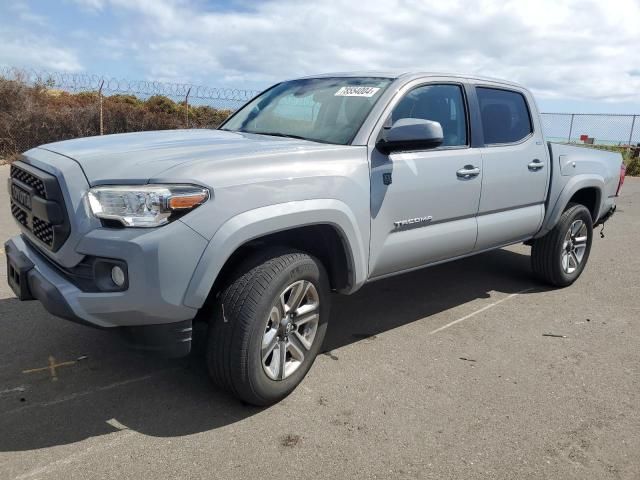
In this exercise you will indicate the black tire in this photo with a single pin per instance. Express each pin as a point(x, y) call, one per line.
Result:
point(547, 251)
point(234, 349)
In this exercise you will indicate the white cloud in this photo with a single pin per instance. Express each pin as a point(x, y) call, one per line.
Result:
point(19, 49)
point(583, 49)
point(92, 5)
point(570, 49)
point(25, 41)
point(25, 14)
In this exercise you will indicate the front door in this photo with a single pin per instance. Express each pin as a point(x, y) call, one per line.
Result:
point(424, 203)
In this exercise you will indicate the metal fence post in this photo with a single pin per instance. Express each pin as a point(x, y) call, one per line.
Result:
point(633, 124)
point(186, 104)
point(101, 117)
point(570, 128)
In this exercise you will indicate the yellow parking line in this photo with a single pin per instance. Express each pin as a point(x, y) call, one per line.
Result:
point(51, 367)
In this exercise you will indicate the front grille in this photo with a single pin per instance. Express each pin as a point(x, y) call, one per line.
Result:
point(29, 179)
point(19, 214)
point(43, 231)
point(38, 206)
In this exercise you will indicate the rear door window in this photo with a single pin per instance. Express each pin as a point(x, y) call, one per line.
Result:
point(505, 115)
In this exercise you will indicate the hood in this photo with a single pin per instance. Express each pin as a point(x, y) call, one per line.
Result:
point(137, 157)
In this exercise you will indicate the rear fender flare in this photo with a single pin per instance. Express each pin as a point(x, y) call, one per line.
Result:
point(574, 184)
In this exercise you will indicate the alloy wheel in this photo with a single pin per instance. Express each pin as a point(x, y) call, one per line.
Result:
point(574, 246)
point(290, 329)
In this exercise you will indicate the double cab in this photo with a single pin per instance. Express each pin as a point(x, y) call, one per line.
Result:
point(317, 185)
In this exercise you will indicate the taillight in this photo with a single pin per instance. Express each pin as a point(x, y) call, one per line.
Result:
point(623, 172)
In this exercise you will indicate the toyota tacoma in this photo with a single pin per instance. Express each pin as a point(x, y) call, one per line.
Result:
point(317, 185)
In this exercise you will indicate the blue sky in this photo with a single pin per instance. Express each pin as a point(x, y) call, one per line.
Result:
point(576, 55)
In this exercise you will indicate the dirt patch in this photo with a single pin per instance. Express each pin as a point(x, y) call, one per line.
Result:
point(290, 440)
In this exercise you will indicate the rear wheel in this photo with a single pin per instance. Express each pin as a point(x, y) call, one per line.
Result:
point(561, 255)
point(270, 324)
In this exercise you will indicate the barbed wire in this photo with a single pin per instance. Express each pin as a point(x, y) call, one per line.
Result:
point(84, 82)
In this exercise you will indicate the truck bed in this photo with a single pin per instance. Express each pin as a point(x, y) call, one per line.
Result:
point(576, 167)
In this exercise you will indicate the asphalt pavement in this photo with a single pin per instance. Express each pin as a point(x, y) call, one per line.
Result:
point(441, 373)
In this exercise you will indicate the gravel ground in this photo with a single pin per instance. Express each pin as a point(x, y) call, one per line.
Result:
point(441, 373)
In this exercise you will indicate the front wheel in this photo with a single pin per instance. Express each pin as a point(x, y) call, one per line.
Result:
point(561, 255)
point(269, 328)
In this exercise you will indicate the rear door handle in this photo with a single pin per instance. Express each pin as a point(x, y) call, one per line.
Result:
point(535, 165)
point(468, 171)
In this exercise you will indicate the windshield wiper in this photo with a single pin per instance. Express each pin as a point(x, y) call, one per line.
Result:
point(284, 135)
point(279, 134)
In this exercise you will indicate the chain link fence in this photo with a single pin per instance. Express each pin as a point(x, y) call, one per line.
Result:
point(592, 129)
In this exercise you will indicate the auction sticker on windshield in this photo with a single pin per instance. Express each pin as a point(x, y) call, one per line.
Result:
point(357, 92)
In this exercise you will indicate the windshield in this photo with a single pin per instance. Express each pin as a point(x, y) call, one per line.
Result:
point(328, 110)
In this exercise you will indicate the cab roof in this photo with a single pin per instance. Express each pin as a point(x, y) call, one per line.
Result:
point(410, 75)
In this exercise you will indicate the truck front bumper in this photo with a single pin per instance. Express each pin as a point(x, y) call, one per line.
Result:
point(150, 311)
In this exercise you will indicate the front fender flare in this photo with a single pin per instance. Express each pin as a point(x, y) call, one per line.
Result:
point(259, 222)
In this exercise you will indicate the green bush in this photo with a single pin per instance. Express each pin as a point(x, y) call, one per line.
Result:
point(127, 99)
point(633, 167)
point(161, 104)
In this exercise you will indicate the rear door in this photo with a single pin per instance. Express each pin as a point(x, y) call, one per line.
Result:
point(423, 208)
point(515, 167)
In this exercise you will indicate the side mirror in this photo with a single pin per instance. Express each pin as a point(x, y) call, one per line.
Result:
point(411, 134)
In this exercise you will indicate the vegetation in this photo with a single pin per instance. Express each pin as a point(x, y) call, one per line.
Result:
point(31, 115)
point(633, 167)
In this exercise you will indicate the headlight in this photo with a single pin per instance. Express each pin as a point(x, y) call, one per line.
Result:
point(144, 205)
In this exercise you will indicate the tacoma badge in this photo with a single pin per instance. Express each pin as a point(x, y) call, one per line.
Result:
point(412, 221)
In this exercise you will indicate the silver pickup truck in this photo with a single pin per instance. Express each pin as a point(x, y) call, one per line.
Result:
point(317, 185)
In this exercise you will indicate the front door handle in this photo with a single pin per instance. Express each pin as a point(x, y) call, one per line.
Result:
point(468, 171)
point(535, 165)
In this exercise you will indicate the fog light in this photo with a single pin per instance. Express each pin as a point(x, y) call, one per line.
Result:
point(117, 275)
